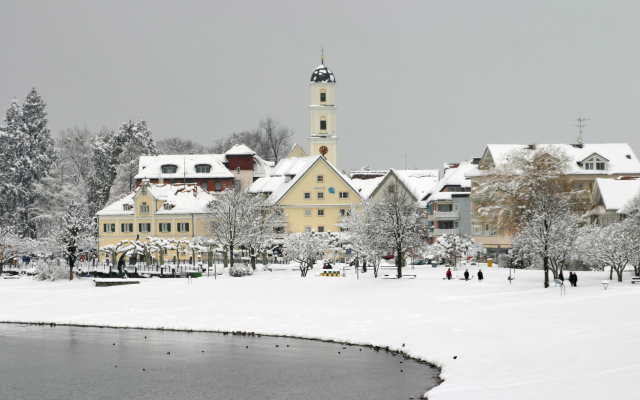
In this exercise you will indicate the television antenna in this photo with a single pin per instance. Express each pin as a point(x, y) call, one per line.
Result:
point(580, 126)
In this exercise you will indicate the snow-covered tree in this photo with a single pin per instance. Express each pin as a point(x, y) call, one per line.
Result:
point(365, 235)
point(12, 246)
point(270, 140)
point(181, 146)
point(163, 245)
point(456, 247)
point(116, 253)
point(616, 245)
point(529, 194)
point(76, 234)
point(27, 143)
point(400, 221)
point(238, 218)
point(306, 248)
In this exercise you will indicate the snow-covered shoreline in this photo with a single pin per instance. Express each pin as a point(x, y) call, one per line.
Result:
point(510, 341)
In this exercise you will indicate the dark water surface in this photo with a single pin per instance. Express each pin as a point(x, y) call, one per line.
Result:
point(42, 362)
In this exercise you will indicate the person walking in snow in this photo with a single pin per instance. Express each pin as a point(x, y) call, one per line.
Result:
point(449, 274)
point(480, 276)
point(560, 276)
point(466, 275)
point(575, 279)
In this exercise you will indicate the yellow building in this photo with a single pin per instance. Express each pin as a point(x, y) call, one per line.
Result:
point(312, 193)
point(155, 210)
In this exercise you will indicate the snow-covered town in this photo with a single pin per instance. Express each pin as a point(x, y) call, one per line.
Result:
point(513, 271)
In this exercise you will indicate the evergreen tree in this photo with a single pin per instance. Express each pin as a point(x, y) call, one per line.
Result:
point(28, 153)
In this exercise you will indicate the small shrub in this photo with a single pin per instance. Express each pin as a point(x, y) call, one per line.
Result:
point(51, 272)
point(240, 270)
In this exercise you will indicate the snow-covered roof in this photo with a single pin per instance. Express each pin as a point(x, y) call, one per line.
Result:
point(418, 181)
point(240, 150)
point(322, 74)
point(452, 177)
point(286, 174)
point(619, 156)
point(613, 194)
point(151, 166)
point(185, 199)
point(366, 186)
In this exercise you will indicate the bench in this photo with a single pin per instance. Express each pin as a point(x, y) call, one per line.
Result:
point(635, 279)
point(558, 282)
point(408, 276)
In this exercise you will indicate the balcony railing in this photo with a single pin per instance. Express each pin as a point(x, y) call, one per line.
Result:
point(445, 214)
point(440, 232)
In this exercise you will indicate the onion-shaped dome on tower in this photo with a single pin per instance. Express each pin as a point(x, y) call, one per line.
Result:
point(322, 74)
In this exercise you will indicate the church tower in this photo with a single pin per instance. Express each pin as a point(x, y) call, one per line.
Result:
point(323, 140)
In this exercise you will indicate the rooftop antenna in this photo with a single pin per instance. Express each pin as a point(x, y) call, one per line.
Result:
point(580, 126)
point(322, 53)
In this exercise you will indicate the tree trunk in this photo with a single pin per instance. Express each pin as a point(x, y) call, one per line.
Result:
point(610, 272)
point(619, 272)
point(253, 261)
point(546, 271)
point(399, 263)
point(71, 264)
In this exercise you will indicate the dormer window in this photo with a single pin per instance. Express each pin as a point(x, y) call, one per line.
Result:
point(595, 163)
point(203, 169)
point(144, 208)
point(167, 206)
point(127, 207)
point(169, 169)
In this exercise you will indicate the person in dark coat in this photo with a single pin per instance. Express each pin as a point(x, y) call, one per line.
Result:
point(575, 279)
point(560, 276)
point(466, 275)
point(449, 274)
point(480, 275)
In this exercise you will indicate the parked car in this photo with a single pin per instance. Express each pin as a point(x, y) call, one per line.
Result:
point(389, 257)
point(422, 262)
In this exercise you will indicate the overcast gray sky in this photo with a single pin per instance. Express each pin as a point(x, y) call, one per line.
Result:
point(426, 81)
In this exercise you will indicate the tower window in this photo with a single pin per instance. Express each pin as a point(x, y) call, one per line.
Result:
point(323, 125)
point(323, 97)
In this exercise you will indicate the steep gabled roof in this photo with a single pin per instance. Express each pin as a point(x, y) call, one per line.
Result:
point(452, 177)
point(613, 194)
point(287, 173)
point(417, 183)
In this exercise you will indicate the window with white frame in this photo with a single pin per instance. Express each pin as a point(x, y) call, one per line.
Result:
point(183, 227)
point(320, 195)
point(595, 163)
point(307, 195)
point(320, 178)
point(218, 186)
point(144, 208)
point(307, 213)
point(344, 195)
point(167, 206)
point(127, 207)
point(307, 229)
point(321, 229)
point(164, 227)
point(144, 227)
point(126, 228)
point(109, 228)
point(320, 213)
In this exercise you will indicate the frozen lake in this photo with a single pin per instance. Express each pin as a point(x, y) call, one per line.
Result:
point(78, 363)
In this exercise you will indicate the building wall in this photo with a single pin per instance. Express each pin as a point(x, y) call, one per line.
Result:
point(464, 214)
point(294, 203)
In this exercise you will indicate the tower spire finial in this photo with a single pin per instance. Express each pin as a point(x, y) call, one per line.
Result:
point(322, 53)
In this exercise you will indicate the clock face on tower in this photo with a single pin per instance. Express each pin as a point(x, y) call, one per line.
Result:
point(324, 150)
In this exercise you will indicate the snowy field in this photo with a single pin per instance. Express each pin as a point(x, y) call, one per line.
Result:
point(512, 341)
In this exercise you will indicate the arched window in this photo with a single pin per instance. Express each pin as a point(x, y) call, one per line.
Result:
point(323, 123)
